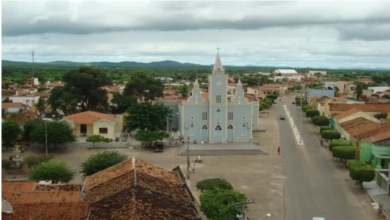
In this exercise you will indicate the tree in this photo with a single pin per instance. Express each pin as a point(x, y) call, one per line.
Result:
point(323, 128)
point(330, 134)
point(55, 95)
point(344, 153)
point(29, 126)
point(353, 163)
point(152, 117)
point(306, 107)
point(57, 133)
point(184, 90)
point(40, 107)
point(219, 204)
point(33, 161)
point(212, 184)
point(67, 103)
point(54, 171)
point(338, 143)
point(272, 97)
point(101, 161)
point(311, 113)
point(144, 87)
point(121, 103)
point(264, 106)
point(96, 139)
point(86, 83)
point(381, 115)
point(150, 136)
point(362, 174)
point(10, 132)
point(359, 91)
point(320, 120)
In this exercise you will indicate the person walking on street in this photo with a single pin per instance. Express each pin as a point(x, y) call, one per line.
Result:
point(193, 168)
point(279, 150)
point(322, 142)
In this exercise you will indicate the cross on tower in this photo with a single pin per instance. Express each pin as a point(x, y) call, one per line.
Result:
point(217, 49)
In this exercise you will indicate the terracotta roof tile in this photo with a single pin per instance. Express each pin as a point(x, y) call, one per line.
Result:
point(265, 88)
point(17, 186)
point(89, 117)
point(346, 113)
point(377, 107)
point(376, 138)
point(359, 126)
point(56, 84)
point(374, 132)
point(123, 190)
point(7, 93)
point(12, 105)
point(58, 188)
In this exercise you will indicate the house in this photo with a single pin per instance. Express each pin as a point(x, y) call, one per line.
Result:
point(12, 107)
point(8, 93)
point(376, 89)
point(269, 90)
point(346, 87)
point(330, 85)
point(354, 123)
point(288, 78)
point(33, 200)
point(314, 72)
point(371, 109)
point(54, 85)
point(319, 93)
point(32, 81)
point(90, 123)
point(284, 72)
point(135, 189)
point(26, 100)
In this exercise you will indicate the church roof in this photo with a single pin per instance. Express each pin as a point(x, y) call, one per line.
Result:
point(218, 68)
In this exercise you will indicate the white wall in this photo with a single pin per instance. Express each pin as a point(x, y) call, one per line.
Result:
point(376, 89)
point(27, 100)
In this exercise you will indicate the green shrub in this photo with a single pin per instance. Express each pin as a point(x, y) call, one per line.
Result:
point(362, 174)
point(344, 153)
point(6, 164)
point(311, 113)
point(212, 184)
point(273, 97)
point(323, 128)
point(320, 121)
point(330, 134)
point(338, 143)
point(33, 161)
point(306, 107)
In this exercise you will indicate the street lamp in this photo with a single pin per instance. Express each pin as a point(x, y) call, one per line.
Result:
point(266, 216)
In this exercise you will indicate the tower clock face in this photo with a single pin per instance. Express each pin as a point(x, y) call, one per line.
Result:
point(219, 83)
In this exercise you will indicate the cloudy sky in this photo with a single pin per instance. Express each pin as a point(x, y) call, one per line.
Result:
point(300, 34)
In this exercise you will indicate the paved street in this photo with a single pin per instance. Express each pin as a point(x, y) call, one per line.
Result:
point(314, 187)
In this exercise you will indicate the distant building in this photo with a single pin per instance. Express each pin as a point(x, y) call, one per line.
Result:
point(313, 72)
point(284, 72)
point(319, 93)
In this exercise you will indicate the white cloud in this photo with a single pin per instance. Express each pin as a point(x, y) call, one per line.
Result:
point(317, 34)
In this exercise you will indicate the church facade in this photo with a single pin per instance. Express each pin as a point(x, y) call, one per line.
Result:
point(218, 117)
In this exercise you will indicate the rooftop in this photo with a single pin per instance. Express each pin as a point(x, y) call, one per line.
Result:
point(12, 105)
point(377, 107)
point(376, 138)
point(359, 126)
point(346, 113)
point(89, 117)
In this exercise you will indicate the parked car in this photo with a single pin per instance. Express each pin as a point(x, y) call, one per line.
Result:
point(281, 117)
point(159, 147)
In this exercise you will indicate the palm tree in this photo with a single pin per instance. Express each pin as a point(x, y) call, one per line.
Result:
point(40, 106)
point(67, 103)
point(359, 91)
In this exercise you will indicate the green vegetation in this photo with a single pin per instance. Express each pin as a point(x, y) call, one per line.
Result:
point(212, 184)
point(312, 113)
point(344, 153)
point(323, 128)
point(361, 173)
point(57, 133)
point(338, 143)
point(320, 121)
point(97, 139)
point(152, 117)
point(33, 161)
point(10, 132)
point(54, 171)
point(100, 161)
point(330, 134)
point(306, 107)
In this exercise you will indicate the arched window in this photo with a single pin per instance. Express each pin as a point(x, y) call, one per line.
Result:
point(204, 127)
point(218, 128)
point(218, 115)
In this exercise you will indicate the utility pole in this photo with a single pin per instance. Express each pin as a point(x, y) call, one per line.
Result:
point(188, 158)
point(33, 78)
point(46, 136)
point(300, 136)
point(357, 143)
point(244, 208)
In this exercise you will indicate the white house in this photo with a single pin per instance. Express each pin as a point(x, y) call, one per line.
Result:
point(376, 89)
point(286, 72)
point(289, 78)
point(12, 107)
point(26, 100)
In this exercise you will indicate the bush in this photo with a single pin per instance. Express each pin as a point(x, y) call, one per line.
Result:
point(33, 161)
point(306, 107)
point(330, 134)
point(273, 97)
point(344, 153)
point(269, 101)
point(212, 184)
point(320, 121)
point(338, 143)
point(100, 161)
point(6, 164)
point(323, 128)
point(54, 171)
point(304, 102)
point(311, 113)
point(362, 174)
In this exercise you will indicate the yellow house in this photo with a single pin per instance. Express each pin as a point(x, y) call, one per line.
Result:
point(90, 123)
point(324, 104)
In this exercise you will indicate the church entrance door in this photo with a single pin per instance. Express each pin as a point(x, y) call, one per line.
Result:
point(230, 133)
point(218, 134)
point(205, 134)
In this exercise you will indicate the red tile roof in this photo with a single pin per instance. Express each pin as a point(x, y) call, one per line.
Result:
point(346, 113)
point(89, 117)
point(19, 186)
point(135, 189)
point(7, 93)
point(376, 138)
point(377, 107)
point(359, 126)
point(12, 105)
point(264, 88)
